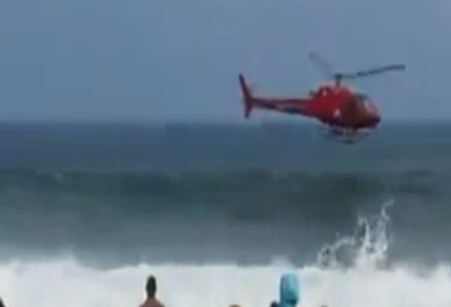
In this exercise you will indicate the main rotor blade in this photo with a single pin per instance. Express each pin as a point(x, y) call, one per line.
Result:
point(324, 66)
point(374, 71)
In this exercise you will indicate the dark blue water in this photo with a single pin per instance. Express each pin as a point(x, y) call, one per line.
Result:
point(212, 192)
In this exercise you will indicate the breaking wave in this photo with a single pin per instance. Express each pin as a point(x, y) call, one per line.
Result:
point(352, 278)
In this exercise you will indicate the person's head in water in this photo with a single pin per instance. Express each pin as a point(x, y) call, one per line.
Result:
point(151, 286)
point(289, 291)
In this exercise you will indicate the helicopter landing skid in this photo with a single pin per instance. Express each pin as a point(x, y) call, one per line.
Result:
point(343, 135)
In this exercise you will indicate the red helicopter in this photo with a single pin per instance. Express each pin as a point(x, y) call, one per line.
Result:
point(346, 115)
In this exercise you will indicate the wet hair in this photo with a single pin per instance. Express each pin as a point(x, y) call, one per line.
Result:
point(151, 286)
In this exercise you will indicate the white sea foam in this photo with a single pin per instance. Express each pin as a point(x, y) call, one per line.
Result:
point(363, 283)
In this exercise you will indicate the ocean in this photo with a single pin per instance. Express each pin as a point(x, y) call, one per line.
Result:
point(218, 211)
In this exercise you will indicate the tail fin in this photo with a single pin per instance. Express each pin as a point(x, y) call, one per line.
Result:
point(247, 96)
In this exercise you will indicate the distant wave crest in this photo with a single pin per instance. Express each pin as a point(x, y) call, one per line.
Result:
point(247, 194)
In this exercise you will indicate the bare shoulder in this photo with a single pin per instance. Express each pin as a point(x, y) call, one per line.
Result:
point(152, 303)
point(146, 304)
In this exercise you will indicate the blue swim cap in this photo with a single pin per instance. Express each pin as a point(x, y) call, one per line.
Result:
point(289, 290)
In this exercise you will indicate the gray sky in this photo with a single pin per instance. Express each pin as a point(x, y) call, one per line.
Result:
point(179, 59)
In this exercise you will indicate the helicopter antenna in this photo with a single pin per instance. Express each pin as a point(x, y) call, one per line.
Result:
point(325, 67)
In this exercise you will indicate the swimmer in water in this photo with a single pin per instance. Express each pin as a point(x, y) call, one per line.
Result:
point(151, 291)
point(289, 289)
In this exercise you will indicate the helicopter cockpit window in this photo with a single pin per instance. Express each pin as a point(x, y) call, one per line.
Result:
point(369, 107)
point(361, 96)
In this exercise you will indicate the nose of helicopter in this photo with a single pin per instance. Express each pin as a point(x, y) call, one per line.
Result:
point(373, 113)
